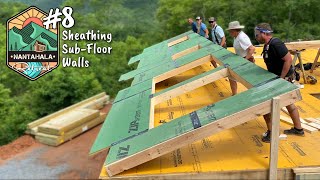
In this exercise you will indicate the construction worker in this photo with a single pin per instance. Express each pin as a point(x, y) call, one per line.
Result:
point(217, 33)
point(193, 25)
point(217, 36)
point(243, 47)
point(278, 61)
point(202, 29)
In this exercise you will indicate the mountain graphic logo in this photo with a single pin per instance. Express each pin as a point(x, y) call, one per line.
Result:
point(32, 50)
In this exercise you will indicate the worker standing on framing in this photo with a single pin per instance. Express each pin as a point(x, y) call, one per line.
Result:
point(278, 61)
point(243, 47)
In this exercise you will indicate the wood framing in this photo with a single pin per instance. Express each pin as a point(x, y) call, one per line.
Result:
point(307, 128)
point(172, 43)
point(128, 132)
point(306, 173)
point(315, 62)
point(259, 174)
point(312, 120)
point(184, 88)
point(306, 170)
point(274, 144)
point(303, 45)
point(185, 52)
point(286, 111)
point(234, 75)
point(200, 133)
point(181, 69)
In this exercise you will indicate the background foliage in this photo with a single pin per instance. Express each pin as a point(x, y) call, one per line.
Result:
point(135, 25)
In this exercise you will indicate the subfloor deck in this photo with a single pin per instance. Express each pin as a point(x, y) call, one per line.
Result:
point(237, 152)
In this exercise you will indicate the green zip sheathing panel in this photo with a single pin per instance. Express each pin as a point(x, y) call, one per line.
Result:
point(246, 71)
point(160, 48)
point(125, 119)
point(189, 80)
point(166, 52)
point(132, 101)
point(139, 78)
point(206, 115)
point(180, 36)
point(133, 90)
point(205, 51)
point(159, 60)
point(208, 50)
point(155, 48)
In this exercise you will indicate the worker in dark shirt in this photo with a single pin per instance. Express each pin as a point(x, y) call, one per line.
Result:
point(278, 61)
point(193, 25)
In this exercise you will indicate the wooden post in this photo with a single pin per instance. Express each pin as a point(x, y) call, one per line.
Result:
point(297, 55)
point(274, 144)
point(315, 61)
point(294, 57)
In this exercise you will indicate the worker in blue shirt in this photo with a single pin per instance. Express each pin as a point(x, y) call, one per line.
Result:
point(202, 29)
point(193, 25)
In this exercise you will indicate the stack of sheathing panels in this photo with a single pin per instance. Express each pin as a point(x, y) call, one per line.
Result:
point(65, 124)
point(126, 132)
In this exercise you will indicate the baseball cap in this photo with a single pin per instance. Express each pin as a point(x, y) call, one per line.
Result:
point(212, 19)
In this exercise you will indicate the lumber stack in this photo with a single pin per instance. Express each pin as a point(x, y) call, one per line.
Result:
point(67, 123)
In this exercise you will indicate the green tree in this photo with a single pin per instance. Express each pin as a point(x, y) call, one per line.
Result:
point(9, 9)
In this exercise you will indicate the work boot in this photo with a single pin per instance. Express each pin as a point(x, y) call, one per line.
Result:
point(294, 131)
point(266, 137)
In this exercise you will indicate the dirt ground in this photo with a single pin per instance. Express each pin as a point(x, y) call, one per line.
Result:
point(72, 154)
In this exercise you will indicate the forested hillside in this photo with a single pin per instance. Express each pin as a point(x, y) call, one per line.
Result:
point(135, 25)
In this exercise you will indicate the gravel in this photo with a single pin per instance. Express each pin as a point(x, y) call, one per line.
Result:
point(30, 167)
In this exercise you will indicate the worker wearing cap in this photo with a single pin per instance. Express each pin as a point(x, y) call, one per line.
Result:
point(217, 33)
point(202, 28)
point(243, 47)
point(278, 61)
